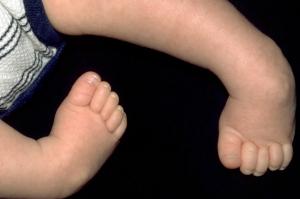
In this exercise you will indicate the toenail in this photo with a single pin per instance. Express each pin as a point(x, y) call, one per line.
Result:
point(120, 108)
point(92, 79)
point(257, 174)
point(114, 95)
point(106, 85)
point(247, 172)
point(272, 168)
point(282, 168)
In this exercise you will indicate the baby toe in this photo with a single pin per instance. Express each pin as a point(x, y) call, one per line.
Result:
point(229, 149)
point(249, 157)
point(262, 162)
point(115, 119)
point(110, 105)
point(288, 154)
point(118, 133)
point(101, 95)
point(83, 89)
point(276, 156)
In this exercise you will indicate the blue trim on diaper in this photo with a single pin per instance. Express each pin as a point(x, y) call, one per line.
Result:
point(46, 34)
point(40, 24)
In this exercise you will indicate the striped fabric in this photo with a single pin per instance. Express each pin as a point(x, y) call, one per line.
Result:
point(22, 55)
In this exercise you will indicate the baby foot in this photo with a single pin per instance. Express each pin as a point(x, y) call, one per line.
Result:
point(87, 128)
point(256, 136)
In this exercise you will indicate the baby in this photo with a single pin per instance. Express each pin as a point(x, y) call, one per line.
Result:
point(256, 125)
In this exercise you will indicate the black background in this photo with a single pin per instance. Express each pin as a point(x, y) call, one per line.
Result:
point(169, 149)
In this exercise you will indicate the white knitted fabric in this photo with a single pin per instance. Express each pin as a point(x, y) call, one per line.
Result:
point(22, 55)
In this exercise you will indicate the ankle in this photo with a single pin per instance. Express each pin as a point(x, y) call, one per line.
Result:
point(64, 173)
point(71, 173)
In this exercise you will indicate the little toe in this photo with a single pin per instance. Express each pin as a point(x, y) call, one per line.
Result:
point(262, 162)
point(276, 156)
point(110, 105)
point(115, 119)
point(229, 149)
point(288, 154)
point(249, 157)
point(83, 89)
point(101, 95)
point(118, 133)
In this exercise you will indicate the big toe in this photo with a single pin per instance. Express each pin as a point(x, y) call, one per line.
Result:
point(229, 148)
point(83, 89)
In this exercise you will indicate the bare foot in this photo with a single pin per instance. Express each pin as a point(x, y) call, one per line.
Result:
point(87, 128)
point(256, 136)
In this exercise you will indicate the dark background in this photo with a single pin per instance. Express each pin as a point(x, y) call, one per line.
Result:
point(169, 149)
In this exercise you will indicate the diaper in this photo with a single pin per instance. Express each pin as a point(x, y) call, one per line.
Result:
point(29, 46)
